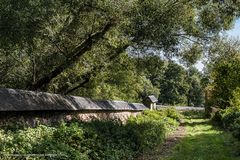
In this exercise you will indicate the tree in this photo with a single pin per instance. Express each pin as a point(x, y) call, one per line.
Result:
point(62, 32)
point(224, 69)
point(195, 93)
point(120, 81)
point(169, 24)
point(50, 39)
point(153, 67)
point(174, 85)
point(226, 79)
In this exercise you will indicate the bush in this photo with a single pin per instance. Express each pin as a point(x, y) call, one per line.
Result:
point(147, 133)
point(172, 113)
point(96, 140)
point(231, 120)
point(169, 112)
point(236, 128)
point(151, 127)
point(230, 117)
point(193, 114)
point(235, 100)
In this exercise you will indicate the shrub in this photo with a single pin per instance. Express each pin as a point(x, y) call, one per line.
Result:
point(230, 117)
point(96, 140)
point(147, 133)
point(236, 128)
point(231, 120)
point(172, 113)
point(151, 128)
point(235, 100)
point(193, 114)
point(169, 112)
point(108, 140)
point(71, 135)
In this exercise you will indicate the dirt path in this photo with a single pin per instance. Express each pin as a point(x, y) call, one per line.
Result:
point(165, 148)
point(171, 141)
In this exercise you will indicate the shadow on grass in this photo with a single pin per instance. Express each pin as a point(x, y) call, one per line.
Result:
point(192, 124)
point(193, 114)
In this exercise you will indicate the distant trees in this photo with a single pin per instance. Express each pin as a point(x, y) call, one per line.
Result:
point(177, 85)
point(174, 85)
point(195, 95)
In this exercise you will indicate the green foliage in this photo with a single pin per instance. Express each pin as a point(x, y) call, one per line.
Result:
point(226, 80)
point(172, 113)
point(230, 116)
point(177, 85)
point(153, 66)
point(193, 114)
point(224, 92)
point(195, 92)
point(57, 46)
point(224, 71)
point(174, 85)
point(120, 81)
point(191, 55)
point(151, 128)
point(133, 79)
point(94, 140)
point(236, 127)
point(175, 22)
point(235, 100)
point(148, 133)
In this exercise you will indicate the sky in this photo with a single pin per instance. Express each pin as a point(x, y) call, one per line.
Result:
point(234, 33)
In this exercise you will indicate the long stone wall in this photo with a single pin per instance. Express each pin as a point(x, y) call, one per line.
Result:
point(34, 108)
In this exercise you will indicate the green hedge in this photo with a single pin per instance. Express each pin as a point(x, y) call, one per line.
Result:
point(230, 119)
point(110, 140)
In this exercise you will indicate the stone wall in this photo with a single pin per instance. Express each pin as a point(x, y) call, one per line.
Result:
point(34, 108)
point(33, 118)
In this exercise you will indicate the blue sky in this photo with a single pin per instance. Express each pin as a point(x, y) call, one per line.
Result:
point(233, 33)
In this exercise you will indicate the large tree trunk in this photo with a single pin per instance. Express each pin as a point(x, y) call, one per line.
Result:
point(73, 58)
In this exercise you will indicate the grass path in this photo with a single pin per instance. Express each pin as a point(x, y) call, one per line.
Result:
point(196, 139)
point(204, 142)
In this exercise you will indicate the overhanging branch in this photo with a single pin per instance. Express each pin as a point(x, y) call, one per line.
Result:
point(73, 57)
point(87, 76)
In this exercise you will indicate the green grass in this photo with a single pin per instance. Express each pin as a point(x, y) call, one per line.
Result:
point(205, 142)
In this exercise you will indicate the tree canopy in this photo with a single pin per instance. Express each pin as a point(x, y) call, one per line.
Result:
point(64, 46)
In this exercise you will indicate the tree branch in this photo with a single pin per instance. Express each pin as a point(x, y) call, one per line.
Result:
point(87, 76)
point(73, 57)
